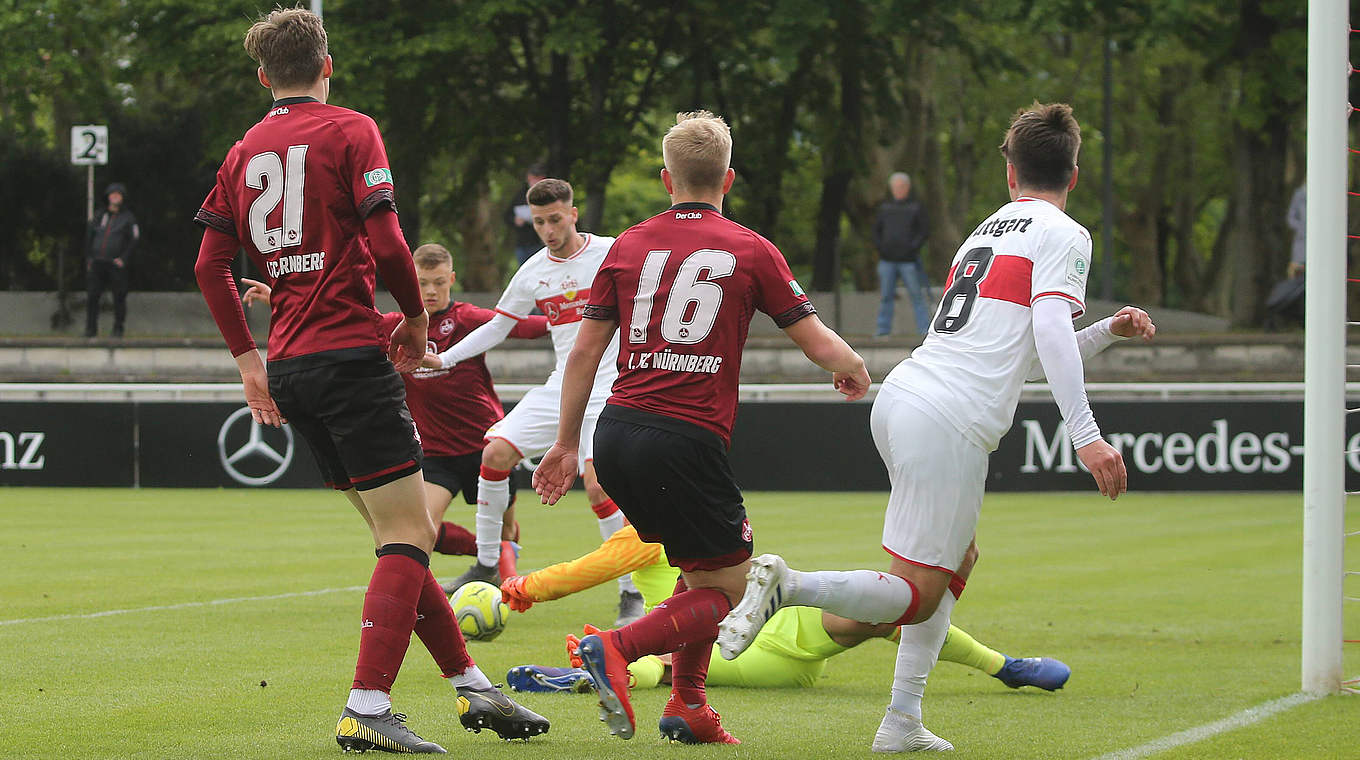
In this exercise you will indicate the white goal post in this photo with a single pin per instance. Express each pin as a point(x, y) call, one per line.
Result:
point(1324, 490)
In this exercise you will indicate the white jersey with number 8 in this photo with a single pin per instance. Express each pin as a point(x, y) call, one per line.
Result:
point(980, 346)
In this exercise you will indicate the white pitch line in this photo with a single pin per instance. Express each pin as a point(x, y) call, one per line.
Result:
point(1199, 733)
point(181, 606)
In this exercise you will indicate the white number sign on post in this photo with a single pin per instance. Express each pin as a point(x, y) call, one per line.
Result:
point(89, 146)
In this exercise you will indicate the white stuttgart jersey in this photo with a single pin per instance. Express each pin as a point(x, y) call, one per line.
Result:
point(980, 346)
point(560, 288)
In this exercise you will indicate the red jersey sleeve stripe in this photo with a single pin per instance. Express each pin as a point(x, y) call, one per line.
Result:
point(1059, 294)
point(515, 317)
point(1081, 307)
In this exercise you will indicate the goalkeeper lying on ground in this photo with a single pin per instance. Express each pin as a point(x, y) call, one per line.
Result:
point(791, 650)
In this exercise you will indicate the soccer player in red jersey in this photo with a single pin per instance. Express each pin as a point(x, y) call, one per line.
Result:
point(453, 407)
point(682, 286)
point(308, 193)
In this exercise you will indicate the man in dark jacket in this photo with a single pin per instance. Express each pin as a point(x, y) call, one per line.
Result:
point(900, 229)
point(109, 246)
point(521, 223)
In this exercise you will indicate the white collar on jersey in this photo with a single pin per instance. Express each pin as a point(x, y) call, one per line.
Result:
point(585, 235)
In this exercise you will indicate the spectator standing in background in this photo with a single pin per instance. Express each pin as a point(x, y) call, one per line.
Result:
point(900, 229)
point(521, 221)
point(109, 245)
point(1297, 219)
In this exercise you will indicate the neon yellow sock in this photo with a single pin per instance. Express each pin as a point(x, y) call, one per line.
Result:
point(647, 672)
point(965, 650)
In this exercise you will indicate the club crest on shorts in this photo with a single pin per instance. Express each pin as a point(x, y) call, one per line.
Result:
point(746, 533)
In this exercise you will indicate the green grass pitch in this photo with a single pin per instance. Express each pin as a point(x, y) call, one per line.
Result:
point(1174, 610)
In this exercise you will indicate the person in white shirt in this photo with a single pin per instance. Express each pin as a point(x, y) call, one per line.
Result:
point(1015, 286)
point(557, 281)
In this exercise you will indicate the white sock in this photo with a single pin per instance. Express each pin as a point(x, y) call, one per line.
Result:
point(369, 701)
point(472, 678)
point(864, 595)
point(916, 655)
point(626, 584)
point(611, 524)
point(493, 498)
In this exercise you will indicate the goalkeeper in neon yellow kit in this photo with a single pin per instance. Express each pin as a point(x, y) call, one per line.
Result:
point(791, 650)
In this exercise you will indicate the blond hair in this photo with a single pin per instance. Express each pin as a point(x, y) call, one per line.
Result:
point(697, 151)
point(290, 45)
point(431, 255)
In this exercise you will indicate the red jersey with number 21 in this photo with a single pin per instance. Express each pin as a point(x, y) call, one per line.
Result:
point(294, 191)
point(683, 286)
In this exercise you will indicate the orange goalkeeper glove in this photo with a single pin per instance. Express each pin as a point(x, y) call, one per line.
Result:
point(513, 593)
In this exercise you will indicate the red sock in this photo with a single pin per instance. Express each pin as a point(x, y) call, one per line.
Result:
point(605, 508)
point(389, 615)
point(455, 539)
point(438, 629)
point(689, 668)
point(689, 617)
point(508, 561)
point(956, 585)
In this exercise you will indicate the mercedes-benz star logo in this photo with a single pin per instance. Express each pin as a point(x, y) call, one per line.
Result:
point(256, 447)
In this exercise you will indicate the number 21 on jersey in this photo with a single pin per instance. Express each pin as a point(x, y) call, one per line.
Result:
point(693, 302)
point(265, 171)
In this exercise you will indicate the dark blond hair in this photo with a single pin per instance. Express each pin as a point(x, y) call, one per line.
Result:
point(1042, 145)
point(290, 45)
point(697, 151)
point(546, 192)
point(431, 255)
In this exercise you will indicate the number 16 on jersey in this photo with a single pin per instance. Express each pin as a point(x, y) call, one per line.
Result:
point(691, 304)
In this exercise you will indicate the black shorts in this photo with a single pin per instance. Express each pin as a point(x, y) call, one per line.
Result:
point(674, 484)
point(353, 415)
point(459, 473)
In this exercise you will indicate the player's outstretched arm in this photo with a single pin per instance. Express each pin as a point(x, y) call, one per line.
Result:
point(623, 553)
point(1128, 322)
point(392, 258)
point(256, 292)
point(1133, 322)
point(829, 351)
point(557, 470)
point(1056, 344)
point(479, 341)
point(213, 272)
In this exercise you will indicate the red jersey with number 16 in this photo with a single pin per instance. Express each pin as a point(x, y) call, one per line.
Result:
point(683, 286)
point(294, 191)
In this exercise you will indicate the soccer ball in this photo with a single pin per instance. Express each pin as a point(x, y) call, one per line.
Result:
point(479, 610)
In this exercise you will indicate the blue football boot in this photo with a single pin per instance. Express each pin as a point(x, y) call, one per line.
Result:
point(1044, 672)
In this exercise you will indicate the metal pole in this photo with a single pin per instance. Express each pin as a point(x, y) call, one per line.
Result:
point(89, 193)
point(1324, 369)
point(316, 7)
point(836, 288)
point(1107, 178)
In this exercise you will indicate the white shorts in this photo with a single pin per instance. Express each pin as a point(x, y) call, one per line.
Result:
point(531, 427)
point(937, 476)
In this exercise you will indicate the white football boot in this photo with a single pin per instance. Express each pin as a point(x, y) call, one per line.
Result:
point(764, 596)
point(900, 732)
